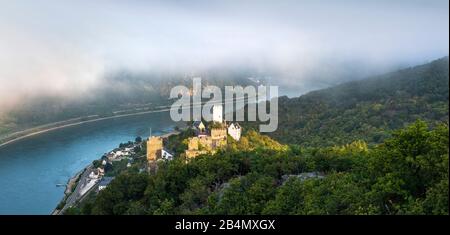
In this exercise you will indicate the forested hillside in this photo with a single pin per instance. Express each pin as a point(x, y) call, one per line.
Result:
point(366, 109)
point(376, 146)
point(407, 174)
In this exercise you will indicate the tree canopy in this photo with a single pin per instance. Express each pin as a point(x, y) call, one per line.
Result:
point(406, 174)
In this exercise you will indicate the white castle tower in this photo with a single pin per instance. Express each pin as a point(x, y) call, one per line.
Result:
point(217, 113)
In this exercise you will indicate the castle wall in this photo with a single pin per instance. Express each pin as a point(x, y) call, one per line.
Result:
point(218, 133)
point(193, 143)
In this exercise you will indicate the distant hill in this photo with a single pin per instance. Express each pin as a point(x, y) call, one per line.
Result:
point(366, 109)
point(121, 92)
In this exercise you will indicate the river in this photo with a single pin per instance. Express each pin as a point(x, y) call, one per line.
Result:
point(31, 168)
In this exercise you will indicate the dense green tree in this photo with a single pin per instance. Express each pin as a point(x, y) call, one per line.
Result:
point(122, 190)
point(366, 109)
point(406, 174)
point(408, 165)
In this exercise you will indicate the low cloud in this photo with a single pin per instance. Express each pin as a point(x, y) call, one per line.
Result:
point(67, 47)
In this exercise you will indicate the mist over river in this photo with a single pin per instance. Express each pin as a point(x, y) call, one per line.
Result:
point(31, 168)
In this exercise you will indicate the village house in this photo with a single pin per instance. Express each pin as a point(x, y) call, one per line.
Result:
point(166, 155)
point(110, 156)
point(117, 155)
point(97, 173)
point(129, 150)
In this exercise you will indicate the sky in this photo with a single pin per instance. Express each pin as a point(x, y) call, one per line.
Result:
point(67, 47)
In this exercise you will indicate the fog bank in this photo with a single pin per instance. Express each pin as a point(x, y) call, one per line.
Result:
point(66, 47)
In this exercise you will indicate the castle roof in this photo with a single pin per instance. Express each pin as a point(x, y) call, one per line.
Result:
point(235, 125)
point(197, 123)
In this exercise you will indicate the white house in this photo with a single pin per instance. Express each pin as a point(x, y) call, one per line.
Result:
point(118, 155)
point(234, 130)
point(128, 149)
point(166, 155)
point(94, 174)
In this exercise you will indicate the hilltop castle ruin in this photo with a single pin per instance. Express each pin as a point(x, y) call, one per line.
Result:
point(207, 139)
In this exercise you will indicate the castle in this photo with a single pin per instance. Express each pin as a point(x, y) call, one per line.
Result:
point(206, 140)
point(209, 141)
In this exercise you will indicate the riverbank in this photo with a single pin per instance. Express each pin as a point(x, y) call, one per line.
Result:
point(52, 158)
point(13, 137)
point(76, 186)
point(70, 188)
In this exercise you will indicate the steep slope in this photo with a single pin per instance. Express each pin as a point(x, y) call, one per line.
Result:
point(366, 109)
point(408, 174)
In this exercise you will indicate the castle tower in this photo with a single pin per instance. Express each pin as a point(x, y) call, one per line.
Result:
point(218, 113)
point(154, 148)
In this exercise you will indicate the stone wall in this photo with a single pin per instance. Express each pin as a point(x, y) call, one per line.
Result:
point(218, 133)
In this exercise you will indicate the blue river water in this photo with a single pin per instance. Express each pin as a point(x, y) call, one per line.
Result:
point(31, 168)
